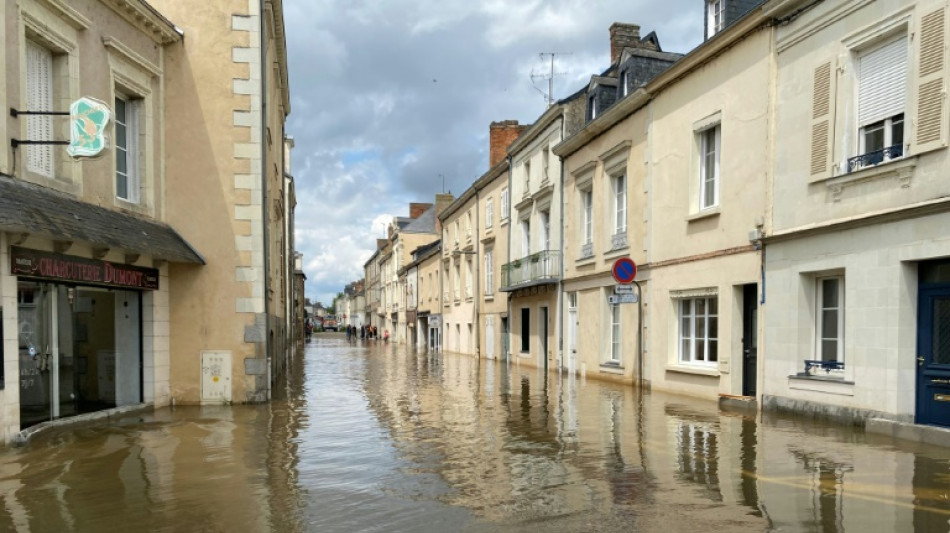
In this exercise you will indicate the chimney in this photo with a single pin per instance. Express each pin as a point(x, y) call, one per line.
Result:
point(500, 136)
point(381, 243)
point(622, 36)
point(441, 202)
point(417, 208)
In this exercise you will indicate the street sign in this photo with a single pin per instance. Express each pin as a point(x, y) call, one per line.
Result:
point(623, 289)
point(615, 299)
point(624, 270)
point(88, 119)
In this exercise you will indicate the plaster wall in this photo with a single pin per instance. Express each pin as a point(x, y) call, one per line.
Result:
point(459, 314)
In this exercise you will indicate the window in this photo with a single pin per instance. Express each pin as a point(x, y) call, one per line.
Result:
point(504, 204)
point(715, 17)
point(698, 330)
point(829, 330)
point(587, 199)
point(489, 215)
point(525, 238)
point(593, 106)
point(468, 278)
point(468, 225)
point(457, 233)
point(545, 164)
point(615, 345)
point(458, 282)
point(489, 273)
point(127, 170)
point(527, 178)
point(620, 204)
point(525, 330)
point(39, 97)
point(545, 230)
point(882, 80)
point(623, 83)
point(709, 167)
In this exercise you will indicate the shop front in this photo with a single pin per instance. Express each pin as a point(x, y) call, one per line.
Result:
point(79, 333)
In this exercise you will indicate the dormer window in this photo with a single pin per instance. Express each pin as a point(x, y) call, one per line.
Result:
point(593, 106)
point(623, 83)
point(715, 17)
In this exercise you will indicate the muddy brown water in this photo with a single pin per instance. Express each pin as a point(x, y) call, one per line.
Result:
point(375, 437)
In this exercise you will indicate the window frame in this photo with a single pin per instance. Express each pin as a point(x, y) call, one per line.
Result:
point(489, 213)
point(505, 204)
point(688, 355)
point(133, 107)
point(587, 216)
point(839, 309)
point(711, 135)
point(489, 273)
point(545, 230)
point(619, 190)
point(716, 11)
point(615, 353)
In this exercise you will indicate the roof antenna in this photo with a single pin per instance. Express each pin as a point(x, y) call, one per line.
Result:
point(550, 77)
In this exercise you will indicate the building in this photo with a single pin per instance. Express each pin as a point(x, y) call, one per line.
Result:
point(856, 264)
point(459, 251)
point(226, 132)
point(425, 263)
point(492, 209)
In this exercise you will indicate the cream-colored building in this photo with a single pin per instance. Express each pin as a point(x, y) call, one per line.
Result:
point(492, 237)
point(532, 276)
point(459, 254)
point(857, 269)
point(87, 245)
point(227, 101)
point(428, 264)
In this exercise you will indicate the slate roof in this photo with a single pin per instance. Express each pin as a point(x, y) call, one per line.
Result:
point(29, 208)
point(424, 224)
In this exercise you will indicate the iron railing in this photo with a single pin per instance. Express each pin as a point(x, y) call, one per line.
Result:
point(542, 266)
point(876, 157)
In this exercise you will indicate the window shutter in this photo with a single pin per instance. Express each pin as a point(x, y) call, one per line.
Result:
point(822, 120)
point(133, 131)
point(882, 79)
point(39, 97)
point(931, 70)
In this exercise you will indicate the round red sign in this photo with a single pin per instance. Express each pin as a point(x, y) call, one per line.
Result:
point(624, 270)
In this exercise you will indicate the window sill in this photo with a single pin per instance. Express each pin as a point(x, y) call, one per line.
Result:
point(705, 213)
point(902, 169)
point(524, 355)
point(503, 222)
point(489, 297)
point(711, 371)
point(823, 384)
point(617, 252)
point(611, 368)
point(585, 261)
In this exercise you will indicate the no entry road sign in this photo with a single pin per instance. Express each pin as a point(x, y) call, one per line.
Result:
point(625, 270)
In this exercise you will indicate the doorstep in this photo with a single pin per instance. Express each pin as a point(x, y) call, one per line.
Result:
point(22, 438)
point(937, 436)
point(744, 404)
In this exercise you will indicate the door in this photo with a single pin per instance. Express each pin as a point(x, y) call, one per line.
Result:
point(572, 340)
point(490, 337)
point(933, 345)
point(543, 338)
point(750, 309)
point(505, 338)
point(34, 334)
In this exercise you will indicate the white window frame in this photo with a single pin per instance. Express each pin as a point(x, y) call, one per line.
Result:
point(458, 281)
point(457, 228)
point(688, 338)
point(716, 11)
point(489, 214)
point(545, 230)
point(624, 77)
point(525, 238)
point(545, 164)
point(527, 176)
point(710, 142)
point(468, 225)
point(468, 278)
point(821, 306)
point(896, 108)
point(132, 150)
point(593, 106)
point(619, 189)
point(616, 334)
point(489, 273)
point(505, 204)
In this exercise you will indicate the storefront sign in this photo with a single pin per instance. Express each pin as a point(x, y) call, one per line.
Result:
point(88, 119)
point(46, 265)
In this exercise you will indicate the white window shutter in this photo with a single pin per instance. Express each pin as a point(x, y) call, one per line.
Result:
point(822, 120)
point(39, 97)
point(931, 122)
point(882, 82)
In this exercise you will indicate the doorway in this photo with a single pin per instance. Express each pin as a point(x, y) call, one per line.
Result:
point(750, 312)
point(79, 350)
point(505, 338)
point(543, 337)
point(572, 332)
point(933, 344)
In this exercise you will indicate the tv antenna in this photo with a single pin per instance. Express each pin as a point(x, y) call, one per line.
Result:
point(549, 76)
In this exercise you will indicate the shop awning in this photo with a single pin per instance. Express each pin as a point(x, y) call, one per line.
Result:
point(29, 208)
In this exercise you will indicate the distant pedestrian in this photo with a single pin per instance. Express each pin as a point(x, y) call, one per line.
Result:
point(386, 335)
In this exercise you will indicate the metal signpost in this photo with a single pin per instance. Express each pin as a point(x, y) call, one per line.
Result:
point(625, 272)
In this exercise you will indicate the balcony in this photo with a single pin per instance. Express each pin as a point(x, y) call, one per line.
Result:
point(536, 269)
point(875, 158)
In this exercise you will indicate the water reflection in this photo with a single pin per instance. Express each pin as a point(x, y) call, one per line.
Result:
point(369, 437)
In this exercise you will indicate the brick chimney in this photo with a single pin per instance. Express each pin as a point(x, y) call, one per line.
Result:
point(500, 136)
point(441, 202)
point(623, 36)
point(417, 208)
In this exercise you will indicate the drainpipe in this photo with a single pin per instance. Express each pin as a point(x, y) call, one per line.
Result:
point(510, 318)
point(478, 280)
point(560, 279)
point(264, 199)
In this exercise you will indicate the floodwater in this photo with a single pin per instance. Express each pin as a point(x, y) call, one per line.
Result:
point(372, 437)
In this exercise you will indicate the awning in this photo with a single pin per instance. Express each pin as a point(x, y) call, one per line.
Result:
point(29, 208)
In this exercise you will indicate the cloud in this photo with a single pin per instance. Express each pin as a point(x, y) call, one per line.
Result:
point(392, 99)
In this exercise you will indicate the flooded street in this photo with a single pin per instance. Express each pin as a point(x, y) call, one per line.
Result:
point(372, 438)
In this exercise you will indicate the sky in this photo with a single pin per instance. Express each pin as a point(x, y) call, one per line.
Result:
point(392, 98)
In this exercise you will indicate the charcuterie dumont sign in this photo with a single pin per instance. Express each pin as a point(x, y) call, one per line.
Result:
point(50, 266)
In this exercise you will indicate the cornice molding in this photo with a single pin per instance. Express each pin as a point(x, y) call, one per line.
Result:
point(147, 19)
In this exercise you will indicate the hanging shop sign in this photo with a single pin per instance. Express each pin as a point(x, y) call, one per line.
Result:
point(88, 119)
point(58, 267)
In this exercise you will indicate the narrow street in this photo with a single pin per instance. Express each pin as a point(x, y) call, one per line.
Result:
point(371, 437)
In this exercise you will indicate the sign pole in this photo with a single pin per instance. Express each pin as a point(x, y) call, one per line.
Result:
point(639, 339)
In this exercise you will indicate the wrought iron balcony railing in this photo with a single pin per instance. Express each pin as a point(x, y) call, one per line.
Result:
point(876, 157)
point(542, 267)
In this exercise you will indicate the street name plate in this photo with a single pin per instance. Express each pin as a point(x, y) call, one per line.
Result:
point(622, 299)
point(623, 289)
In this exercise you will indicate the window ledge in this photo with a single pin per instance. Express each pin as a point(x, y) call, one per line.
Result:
point(902, 169)
point(711, 371)
point(524, 355)
point(617, 252)
point(705, 213)
point(611, 368)
point(489, 297)
point(584, 261)
point(503, 222)
point(824, 384)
